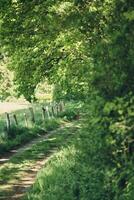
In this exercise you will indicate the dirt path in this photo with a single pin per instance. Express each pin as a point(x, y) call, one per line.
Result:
point(6, 157)
point(14, 152)
point(19, 173)
point(16, 188)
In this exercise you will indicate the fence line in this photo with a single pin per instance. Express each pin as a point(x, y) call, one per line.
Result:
point(47, 112)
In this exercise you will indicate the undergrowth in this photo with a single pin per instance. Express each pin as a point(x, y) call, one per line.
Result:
point(98, 163)
point(19, 135)
point(23, 161)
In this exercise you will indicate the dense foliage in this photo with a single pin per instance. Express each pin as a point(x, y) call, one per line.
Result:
point(85, 48)
point(77, 44)
point(6, 83)
point(97, 163)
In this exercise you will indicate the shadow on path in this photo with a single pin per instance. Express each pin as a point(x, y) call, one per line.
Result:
point(19, 172)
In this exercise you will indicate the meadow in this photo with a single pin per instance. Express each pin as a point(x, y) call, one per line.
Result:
point(26, 128)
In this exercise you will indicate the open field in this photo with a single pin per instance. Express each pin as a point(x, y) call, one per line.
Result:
point(18, 109)
point(10, 107)
point(25, 129)
point(31, 123)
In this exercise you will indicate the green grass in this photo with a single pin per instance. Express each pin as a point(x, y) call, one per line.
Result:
point(20, 117)
point(12, 170)
point(24, 135)
point(55, 180)
point(21, 134)
point(59, 177)
point(75, 172)
point(93, 165)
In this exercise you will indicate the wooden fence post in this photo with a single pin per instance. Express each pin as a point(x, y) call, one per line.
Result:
point(26, 121)
point(57, 108)
point(15, 119)
point(8, 122)
point(47, 110)
point(61, 107)
point(43, 113)
point(53, 113)
point(32, 114)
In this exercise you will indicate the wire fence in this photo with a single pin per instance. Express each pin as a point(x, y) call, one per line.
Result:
point(35, 114)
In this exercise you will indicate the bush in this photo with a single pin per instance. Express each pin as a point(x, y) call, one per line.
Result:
point(69, 115)
point(98, 163)
point(51, 124)
point(71, 111)
point(118, 117)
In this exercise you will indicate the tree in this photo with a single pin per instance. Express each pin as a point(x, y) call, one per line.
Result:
point(6, 83)
point(78, 45)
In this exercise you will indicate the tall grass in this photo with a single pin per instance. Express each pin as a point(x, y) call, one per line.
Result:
point(78, 171)
point(21, 133)
point(96, 164)
point(55, 180)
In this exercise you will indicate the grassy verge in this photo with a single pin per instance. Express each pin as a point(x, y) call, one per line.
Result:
point(56, 180)
point(76, 172)
point(60, 177)
point(20, 134)
point(13, 170)
point(98, 163)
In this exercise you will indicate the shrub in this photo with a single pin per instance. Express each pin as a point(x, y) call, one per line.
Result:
point(71, 112)
point(100, 167)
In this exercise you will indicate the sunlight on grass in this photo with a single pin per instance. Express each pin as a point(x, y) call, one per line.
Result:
point(20, 165)
point(50, 179)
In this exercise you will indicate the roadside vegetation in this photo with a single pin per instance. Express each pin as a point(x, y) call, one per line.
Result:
point(21, 134)
point(98, 161)
point(84, 51)
point(18, 168)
